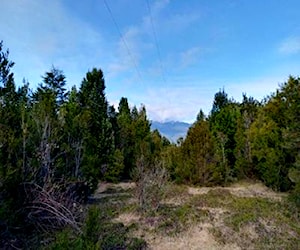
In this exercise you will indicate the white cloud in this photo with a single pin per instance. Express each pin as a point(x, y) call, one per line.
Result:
point(131, 46)
point(180, 103)
point(259, 88)
point(290, 46)
point(165, 22)
point(159, 5)
point(140, 41)
point(184, 102)
point(128, 52)
point(42, 33)
point(190, 56)
point(179, 22)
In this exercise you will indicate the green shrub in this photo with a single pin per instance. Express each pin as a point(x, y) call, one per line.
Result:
point(295, 195)
point(92, 225)
point(98, 233)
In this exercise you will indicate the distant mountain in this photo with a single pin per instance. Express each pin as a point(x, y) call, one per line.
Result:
point(172, 130)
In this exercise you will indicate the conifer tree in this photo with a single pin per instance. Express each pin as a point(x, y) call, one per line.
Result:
point(198, 165)
point(243, 152)
point(99, 142)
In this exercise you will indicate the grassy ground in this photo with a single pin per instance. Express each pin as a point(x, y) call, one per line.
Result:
point(243, 216)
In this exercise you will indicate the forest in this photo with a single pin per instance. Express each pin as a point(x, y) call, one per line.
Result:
point(56, 146)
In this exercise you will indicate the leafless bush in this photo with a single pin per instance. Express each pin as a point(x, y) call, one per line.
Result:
point(151, 184)
point(49, 207)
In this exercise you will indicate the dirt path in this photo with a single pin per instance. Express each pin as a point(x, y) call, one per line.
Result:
point(104, 186)
point(107, 190)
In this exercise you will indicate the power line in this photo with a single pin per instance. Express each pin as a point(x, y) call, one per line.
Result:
point(156, 41)
point(123, 40)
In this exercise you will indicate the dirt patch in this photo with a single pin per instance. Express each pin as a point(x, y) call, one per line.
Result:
point(199, 191)
point(176, 201)
point(243, 189)
point(126, 185)
point(128, 218)
point(104, 186)
point(249, 231)
point(197, 237)
point(216, 214)
point(255, 190)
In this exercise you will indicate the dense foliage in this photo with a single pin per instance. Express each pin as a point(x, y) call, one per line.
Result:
point(53, 141)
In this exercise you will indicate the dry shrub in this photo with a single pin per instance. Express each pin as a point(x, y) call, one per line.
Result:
point(50, 207)
point(151, 182)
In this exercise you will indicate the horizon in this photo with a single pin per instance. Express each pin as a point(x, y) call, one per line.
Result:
point(171, 121)
point(171, 56)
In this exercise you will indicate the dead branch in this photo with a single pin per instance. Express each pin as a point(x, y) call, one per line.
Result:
point(49, 208)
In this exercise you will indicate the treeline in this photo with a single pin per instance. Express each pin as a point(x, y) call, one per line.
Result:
point(50, 137)
point(50, 134)
point(56, 145)
point(247, 140)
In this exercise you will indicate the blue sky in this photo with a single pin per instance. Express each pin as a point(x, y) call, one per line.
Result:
point(202, 46)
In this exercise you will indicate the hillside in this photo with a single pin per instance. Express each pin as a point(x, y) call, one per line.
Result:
point(172, 130)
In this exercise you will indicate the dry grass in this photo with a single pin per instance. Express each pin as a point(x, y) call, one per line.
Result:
point(196, 237)
point(128, 218)
point(242, 216)
point(243, 189)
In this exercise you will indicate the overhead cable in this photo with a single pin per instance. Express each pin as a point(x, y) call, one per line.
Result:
point(123, 40)
point(156, 41)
